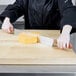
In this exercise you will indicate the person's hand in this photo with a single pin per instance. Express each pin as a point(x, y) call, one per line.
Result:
point(7, 26)
point(63, 41)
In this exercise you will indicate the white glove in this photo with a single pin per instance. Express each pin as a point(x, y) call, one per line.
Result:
point(7, 26)
point(63, 41)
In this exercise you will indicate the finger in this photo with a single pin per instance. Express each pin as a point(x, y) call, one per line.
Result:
point(64, 45)
point(67, 45)
point(70, 46)
point(8, 30)
point(59, 44)
point(11, 30)
point(5, 30)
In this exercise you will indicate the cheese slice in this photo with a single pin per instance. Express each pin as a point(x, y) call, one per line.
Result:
point(28, 38)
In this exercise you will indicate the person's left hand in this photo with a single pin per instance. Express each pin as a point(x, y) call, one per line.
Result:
point(63, 41)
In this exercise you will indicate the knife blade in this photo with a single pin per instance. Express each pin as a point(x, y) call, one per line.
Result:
point(48, 41)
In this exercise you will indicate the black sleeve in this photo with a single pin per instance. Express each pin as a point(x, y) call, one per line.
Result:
point(13, 11)
point(68, 13)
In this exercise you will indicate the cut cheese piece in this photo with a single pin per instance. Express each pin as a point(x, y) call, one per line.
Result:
point(28, 38)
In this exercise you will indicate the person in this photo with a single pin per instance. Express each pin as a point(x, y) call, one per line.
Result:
point(43, 14)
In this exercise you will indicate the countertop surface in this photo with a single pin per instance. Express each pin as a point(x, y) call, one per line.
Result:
point(13, 52)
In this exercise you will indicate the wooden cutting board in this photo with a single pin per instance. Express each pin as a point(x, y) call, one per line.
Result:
point(13, 52)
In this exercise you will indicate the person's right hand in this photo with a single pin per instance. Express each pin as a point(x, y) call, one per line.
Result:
point(7, 26)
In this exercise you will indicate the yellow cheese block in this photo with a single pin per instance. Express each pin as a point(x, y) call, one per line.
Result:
point(28, 38)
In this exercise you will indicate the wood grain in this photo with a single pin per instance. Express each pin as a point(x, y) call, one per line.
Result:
point(13, 52)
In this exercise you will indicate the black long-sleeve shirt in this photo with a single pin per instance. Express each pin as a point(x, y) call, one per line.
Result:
point(42, 13)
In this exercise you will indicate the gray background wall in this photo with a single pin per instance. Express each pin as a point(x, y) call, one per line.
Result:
point(6, 2)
